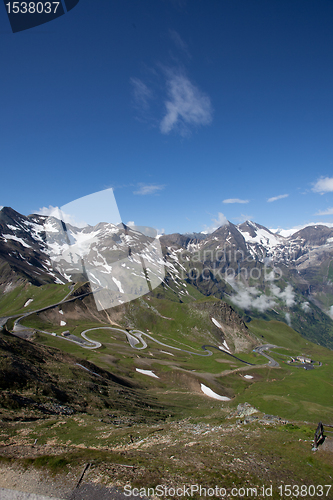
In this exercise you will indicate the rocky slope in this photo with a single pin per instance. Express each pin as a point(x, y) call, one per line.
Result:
point(36, 380)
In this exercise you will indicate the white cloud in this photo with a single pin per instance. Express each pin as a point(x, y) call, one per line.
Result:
point(57, 213)
point(287, 294)
point(235, 200)
point(289, 232)
point(130, 223)
point(186, 105)
point(305, 306)
point(328, 211)
point(274, 198)
point(250, 297)
point(220, 221)
point(271, 274)
point(50, 210)
point(288, 319)
point(142, 94)
point(323, 185)
point(330, 312)
point(262, 303)
point(148, 189)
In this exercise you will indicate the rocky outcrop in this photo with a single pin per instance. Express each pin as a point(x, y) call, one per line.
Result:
point(233, 330)
point(224, 313)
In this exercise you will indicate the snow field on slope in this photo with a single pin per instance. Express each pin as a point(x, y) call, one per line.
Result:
point(206, 390)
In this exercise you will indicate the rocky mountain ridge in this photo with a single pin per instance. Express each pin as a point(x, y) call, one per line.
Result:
point(261, 273)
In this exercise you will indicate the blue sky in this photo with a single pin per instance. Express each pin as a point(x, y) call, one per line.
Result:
point(192, 111)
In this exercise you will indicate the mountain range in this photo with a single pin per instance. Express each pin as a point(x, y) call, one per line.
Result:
point(260, 273)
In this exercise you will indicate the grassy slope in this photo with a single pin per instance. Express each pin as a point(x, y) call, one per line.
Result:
point(291, 391)
point(205, 447)
point(288, 391)
point(13, 302)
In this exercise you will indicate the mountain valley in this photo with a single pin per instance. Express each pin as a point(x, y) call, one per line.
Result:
point(168, 379)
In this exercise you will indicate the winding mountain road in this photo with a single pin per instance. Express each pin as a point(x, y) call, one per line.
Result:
point(17, 327)
point(134, 337)
point(260, 350)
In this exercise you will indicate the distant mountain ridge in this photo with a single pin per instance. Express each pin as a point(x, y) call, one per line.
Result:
point(23, 242)
point(260, 272)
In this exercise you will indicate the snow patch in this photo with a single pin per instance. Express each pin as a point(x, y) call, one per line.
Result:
point(248, 376)
point(28, 302)
point(118, 283)
point(206, 390)
point(12, 237)
point(226, 345)
point(9, 287)
point(216, 323)
point(262, 237)
point(147, 372)
point(63, 323)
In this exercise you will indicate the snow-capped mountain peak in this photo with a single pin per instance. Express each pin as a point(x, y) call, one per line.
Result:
point(256, 234)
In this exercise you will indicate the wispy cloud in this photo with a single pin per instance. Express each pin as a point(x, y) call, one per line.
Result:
point(274, 198)
point(243, 218)
point(288, 319)
point(149, 189)
point(287, 294)
point(186, 105)
point(328, 211)
point(252, 298)
point(235, 200)
point(141, 93)
point(179, 42)
point(220, 221)
point(323, 185)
